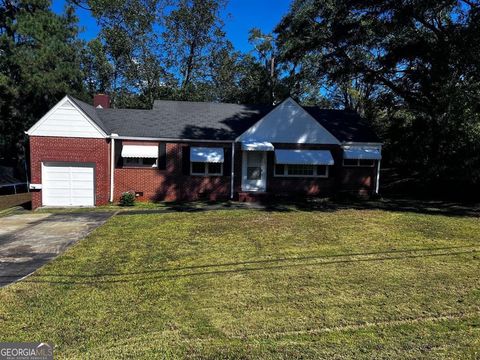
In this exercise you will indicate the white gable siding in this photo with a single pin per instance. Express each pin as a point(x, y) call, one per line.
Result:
point(289, 123)
point(65, 120)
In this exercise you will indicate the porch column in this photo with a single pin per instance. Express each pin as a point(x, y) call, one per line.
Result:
point(377, 182)
point(232, 171)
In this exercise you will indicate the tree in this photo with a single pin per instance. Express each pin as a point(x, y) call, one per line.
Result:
point(193, 32)
point(127, 50)
point(414, 60)
point(39, 64)
point(224, 70)
point(97, 70)
point(264, 45)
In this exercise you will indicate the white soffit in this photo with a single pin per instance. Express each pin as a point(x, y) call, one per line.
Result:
point(206, 154)
point(362, 153)
point(304, 157)
point(140, 151)
point(257, 146)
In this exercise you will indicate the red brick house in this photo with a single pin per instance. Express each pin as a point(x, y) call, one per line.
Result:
point(84, 155)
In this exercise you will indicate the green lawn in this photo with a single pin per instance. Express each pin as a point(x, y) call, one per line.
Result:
point(344, 284)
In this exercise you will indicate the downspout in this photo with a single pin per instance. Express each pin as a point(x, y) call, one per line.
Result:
point(377, 183)
point(112, 165)
point(233, 170)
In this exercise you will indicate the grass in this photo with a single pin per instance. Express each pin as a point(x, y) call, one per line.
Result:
point(346, 284)
point(146, 205)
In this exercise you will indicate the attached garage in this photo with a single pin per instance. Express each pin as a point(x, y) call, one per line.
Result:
point(68, 184)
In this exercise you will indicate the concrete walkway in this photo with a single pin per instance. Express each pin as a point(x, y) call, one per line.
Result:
point(28, 241)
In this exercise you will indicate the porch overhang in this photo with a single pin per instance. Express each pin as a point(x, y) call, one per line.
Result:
point(140, 151)
point(362, 153)
point(206, 154)
point(304, 157)
point(257, 146)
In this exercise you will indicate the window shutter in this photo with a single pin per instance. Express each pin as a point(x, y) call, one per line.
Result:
point(227, 162)
point(186, 160)
point(118, 153)
point(162, 156)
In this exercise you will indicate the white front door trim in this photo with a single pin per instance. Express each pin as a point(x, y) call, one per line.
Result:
point(248, 160)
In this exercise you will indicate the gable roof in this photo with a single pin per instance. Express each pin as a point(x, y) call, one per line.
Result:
point(289, 123)
point(90, 111)
point(213, 121)
point(70, 117)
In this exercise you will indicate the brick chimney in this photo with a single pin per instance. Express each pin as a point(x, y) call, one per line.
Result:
point(101, 100)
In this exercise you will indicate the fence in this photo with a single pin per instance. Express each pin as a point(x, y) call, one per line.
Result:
point(8, 201)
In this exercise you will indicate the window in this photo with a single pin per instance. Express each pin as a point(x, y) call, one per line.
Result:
point(139, 162)
point(294, 170)
point(139, 155)
point(350, 162)
point(279, 169)
point(359, 162)
point(368, 163)
point(198, 168)
point(322, 170)
point(215, 168)
point(307, 170)
point(254, 173)
point(206, 169)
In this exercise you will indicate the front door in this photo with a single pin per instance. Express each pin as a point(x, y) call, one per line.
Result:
point(254, 171)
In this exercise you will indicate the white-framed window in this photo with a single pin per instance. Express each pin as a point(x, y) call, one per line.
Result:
point(359, 162)
point(139, 162)
point(206, 168)
point(300, 170)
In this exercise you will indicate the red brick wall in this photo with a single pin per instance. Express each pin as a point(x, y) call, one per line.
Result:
point(173, 183)
point(81, 150)
point(304, 186)
point(356, 180)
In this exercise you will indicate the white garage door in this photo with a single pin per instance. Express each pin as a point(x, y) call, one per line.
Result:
point(67, 184)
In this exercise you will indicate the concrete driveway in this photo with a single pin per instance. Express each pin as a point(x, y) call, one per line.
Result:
point(28, 241)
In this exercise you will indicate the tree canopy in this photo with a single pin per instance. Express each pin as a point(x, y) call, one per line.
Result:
point(412, 67)
point(39, 63)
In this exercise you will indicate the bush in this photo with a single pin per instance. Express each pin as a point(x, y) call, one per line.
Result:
point(127, 199)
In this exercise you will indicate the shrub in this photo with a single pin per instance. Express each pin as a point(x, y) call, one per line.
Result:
point(127, 199)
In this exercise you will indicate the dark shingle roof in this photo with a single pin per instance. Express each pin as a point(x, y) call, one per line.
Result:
point(214, 121)
point(345, 125)
point(184, 120)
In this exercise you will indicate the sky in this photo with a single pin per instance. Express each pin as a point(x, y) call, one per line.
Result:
point(239, 17)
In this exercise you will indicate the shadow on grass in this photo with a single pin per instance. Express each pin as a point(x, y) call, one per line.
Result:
point(210, 269)
point(326, 205)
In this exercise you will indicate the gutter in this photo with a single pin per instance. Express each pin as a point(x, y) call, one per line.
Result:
point(232, 165)
point(352, 143)
point(112, 164)
point(170, 139)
